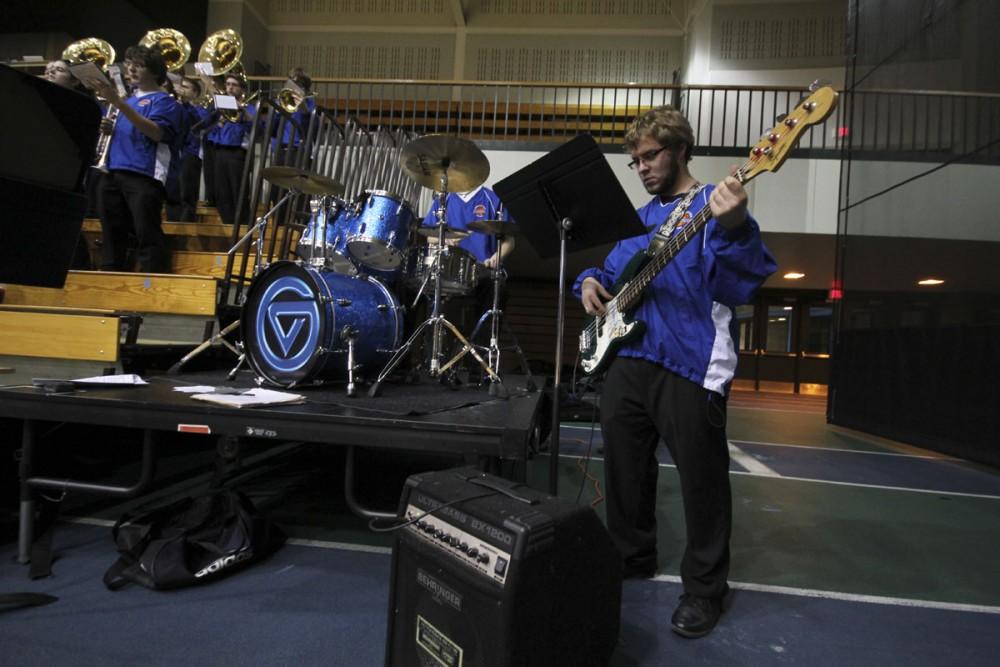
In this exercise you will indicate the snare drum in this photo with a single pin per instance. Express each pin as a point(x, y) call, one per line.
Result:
point(382, 230)
point(459, 271)
point(294, 320)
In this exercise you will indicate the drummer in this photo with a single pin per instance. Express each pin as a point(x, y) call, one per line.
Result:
point(465, 207)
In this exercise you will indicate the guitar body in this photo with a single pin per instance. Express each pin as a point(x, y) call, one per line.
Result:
point(605, 335)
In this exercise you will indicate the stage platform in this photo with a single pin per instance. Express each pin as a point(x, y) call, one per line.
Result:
point(425, 416)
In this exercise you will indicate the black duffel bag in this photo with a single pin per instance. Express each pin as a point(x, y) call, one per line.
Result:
point(190, 541)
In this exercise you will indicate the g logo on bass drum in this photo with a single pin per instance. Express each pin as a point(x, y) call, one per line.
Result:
point(294, 317)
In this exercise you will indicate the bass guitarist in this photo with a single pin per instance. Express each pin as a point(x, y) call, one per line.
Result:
point(671, 382)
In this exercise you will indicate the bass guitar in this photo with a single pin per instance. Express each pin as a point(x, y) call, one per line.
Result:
point(606, 334)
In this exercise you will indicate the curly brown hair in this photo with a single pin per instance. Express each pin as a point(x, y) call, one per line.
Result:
point(666, 125)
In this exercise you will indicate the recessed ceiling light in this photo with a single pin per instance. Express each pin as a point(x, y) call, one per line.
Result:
point(794, 275)
point(928, 282)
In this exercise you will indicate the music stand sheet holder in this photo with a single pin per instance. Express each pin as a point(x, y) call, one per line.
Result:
point(565, 201)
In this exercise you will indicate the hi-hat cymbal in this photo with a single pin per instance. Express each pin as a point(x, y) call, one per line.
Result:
point(450, 234)
point(301, 180)
point(430, 157)
point(498, 227)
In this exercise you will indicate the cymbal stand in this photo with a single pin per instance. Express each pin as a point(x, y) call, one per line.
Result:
point(236, 349)
point(497, 321)
point(436, 320)
point(261, 225)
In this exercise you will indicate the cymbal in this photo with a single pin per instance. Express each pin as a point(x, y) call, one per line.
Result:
point(430, 157)
point(301, 180)
point(498, 227)
point(450, 234)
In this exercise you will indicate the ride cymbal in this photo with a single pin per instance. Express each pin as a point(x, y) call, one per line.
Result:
point(427, 159)
point(301, 180)
point(497, 227)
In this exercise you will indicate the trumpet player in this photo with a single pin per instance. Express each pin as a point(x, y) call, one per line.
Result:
point(132, 192)
point(229, 138)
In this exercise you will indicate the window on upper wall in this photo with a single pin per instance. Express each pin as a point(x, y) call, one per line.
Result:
point(819, 329)
point(780, 325)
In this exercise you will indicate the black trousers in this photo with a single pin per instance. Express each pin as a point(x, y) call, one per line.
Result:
point(208, 152)
point(132, 203)
point(185, 207)
point(228, 174)
point(642, 403)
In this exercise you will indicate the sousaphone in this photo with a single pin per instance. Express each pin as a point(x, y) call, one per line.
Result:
point(174, 46)
point(90, 49)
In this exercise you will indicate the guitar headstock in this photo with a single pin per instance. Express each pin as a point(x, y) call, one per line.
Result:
point(772, 150)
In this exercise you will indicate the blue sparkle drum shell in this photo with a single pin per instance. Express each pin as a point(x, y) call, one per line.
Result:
point(382, 233)
point(331, 253)
point(294, 317)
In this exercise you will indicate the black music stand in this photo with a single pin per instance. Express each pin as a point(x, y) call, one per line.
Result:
point(565, 201)
point(48, 134)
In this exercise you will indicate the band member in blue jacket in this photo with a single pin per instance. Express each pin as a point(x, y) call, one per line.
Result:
point(230, 138)
point(672, 382)
point(189, 177)
point(132, 192)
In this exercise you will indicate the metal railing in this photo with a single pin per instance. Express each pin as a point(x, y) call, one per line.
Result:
point(727, 120)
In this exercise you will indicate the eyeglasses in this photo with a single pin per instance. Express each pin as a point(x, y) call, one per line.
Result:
point(646, 157)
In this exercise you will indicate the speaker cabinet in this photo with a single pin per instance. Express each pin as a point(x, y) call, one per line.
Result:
point(499, 574)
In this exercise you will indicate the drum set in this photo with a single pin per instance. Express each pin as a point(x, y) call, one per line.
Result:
point(335, 314)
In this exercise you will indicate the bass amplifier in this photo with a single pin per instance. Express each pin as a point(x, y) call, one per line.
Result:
point(491, 572)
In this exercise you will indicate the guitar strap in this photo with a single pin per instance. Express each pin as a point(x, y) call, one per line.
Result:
point(667, 228)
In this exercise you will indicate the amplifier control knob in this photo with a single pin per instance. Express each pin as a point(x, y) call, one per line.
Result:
point(473, 552)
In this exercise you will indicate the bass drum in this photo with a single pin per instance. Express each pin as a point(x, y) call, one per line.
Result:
point(297, 320)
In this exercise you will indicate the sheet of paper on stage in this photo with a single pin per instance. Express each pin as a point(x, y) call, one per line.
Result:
point(251, 398)
point(127, 379)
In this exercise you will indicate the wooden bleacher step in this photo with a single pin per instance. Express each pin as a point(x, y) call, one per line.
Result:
point(87, 334)
point(138, 292)
point(191, 236)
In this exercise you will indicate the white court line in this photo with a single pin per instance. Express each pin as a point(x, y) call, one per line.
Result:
point(673, 579)
point(750, 463)
point(786, 478)
point(847, 597)
point(821, 448)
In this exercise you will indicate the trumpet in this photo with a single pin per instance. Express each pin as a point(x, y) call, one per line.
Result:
point(104, 140)
point(290, 99)
point(233, 115)
point(102, 54)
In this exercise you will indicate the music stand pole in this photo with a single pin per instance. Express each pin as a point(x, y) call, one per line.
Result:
point(564, 226)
